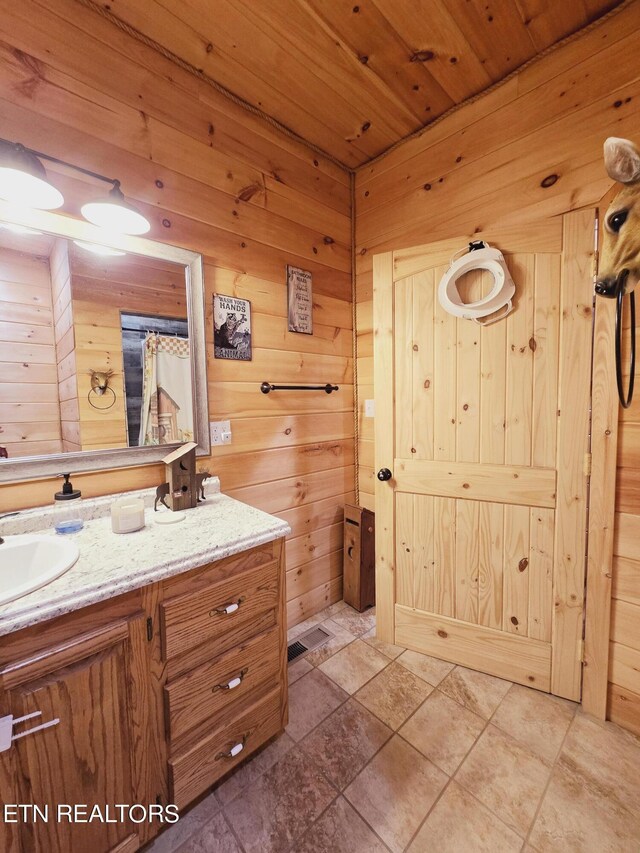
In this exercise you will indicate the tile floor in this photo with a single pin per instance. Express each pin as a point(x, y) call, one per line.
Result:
point(390, 750)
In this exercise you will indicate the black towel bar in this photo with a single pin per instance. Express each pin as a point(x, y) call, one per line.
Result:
point(267, 386)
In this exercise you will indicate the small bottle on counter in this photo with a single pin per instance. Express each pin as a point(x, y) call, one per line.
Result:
point(67, 503)
point(127, 515)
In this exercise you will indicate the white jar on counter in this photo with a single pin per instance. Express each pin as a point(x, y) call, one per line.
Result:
point(127, 515)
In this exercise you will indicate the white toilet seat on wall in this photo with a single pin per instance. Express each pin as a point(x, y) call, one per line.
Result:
point(485, 258)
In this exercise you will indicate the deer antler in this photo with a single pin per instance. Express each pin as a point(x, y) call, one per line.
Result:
point(108, 373)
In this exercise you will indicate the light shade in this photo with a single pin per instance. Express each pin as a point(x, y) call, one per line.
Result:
point(23, 180)
point(19, 229)
point(115, 214)
point(97, 249)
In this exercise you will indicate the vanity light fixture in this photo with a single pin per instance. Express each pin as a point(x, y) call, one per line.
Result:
point(23, 182)
point(23, 179)
point(115, 214)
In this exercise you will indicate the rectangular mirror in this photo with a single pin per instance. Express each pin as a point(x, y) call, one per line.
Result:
point(102, 348)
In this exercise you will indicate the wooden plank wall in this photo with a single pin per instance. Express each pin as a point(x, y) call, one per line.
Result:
point(132, 284)
point(624, 648)
point(217, 180)
point(29, 412)
point(485, 167)
point(99, 347)
point(65, 345)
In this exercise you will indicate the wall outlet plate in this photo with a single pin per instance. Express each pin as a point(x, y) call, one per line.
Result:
point(220, 432)
point(369, 408)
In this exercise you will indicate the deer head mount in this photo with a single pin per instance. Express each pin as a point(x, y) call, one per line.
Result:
point(620, 260)
point(100, 380)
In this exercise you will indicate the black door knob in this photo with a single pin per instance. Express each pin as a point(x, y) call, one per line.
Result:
point(384, 474)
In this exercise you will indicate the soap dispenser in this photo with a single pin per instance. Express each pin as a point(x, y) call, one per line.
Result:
point(67, 517)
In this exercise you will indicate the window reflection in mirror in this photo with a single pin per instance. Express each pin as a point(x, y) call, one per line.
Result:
point(94, 348)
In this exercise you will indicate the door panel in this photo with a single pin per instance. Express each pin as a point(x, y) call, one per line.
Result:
point(541, 528)
point(546, 335)
point(515, 612)
point(486, 430)
point(485, 649)
point(85, 758)
point(502, 483)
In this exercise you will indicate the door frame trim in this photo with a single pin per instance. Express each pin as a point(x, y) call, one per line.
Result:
point(602, 501)
point(383, 383)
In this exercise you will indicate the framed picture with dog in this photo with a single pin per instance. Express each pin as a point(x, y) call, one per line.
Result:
point(231, 328)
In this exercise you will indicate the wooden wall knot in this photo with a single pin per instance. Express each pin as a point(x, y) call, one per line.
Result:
point(523, 564)
point(35, 69)
point(248, 192)
point(422, 56)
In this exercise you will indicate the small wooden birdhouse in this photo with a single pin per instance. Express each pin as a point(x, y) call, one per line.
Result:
point(181, 477)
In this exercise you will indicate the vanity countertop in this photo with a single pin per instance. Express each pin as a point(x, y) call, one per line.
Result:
point(111, 564)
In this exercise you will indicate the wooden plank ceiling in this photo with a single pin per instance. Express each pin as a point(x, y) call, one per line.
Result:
point(355, 76)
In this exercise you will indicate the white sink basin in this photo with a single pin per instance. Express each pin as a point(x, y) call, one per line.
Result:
point(31, 560)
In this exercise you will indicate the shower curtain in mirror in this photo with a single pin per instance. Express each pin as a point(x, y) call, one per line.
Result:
point(167, 410)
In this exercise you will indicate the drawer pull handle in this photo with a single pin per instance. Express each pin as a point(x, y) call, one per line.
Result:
point(227, 608)
point(231, 685)
point(350, 551)
point(235, 750)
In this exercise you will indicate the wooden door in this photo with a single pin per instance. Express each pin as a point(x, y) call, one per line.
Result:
point(88, 757)
point(481, 529)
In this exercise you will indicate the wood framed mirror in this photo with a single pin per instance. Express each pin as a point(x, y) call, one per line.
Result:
point(102, 347)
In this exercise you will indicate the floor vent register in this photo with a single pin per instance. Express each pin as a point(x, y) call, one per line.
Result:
point(306, 642)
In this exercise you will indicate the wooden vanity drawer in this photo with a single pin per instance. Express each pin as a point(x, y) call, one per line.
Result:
point(223, 609)
point(210, 690)
point(199, 767)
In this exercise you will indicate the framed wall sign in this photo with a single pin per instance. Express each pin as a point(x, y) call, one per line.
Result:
point(231, 328)
point(300, 300)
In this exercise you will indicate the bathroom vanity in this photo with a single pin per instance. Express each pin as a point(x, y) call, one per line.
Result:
point(161, 655)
